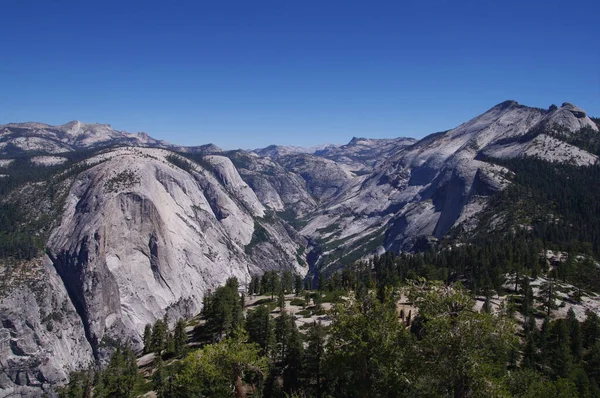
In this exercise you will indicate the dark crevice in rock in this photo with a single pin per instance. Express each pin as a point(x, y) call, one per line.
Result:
point(153, 247)
point(70, 269)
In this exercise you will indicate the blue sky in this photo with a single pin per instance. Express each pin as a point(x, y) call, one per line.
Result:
point(251, 73)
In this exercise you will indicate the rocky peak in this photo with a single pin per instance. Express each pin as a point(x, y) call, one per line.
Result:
point(576, 111)
point(355, 140)
point(507, 104)
point(570, 117)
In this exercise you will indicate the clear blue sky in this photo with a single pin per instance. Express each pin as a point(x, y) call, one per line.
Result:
point(250, 73)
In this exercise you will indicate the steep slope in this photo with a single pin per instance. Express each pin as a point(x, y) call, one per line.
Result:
point(144, 233)
point(278, 188)
point(423, 190)
point(42, 338)
point(141, 236)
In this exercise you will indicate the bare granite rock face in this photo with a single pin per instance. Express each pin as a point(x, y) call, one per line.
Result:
point(41, 335)
point(424, 189)
point(145, 232)
point(141, 237)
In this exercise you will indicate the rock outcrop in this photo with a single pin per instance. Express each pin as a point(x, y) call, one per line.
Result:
point(146, 232)
point(141, 237)
point(42, 337)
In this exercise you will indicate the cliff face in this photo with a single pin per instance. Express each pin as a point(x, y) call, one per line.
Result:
point(145, 232)
point(42, 337)
point(141, 237)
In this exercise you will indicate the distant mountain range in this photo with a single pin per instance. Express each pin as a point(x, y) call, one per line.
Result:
point(105, 231)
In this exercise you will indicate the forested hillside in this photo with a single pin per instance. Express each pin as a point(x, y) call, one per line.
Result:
point(381, 338)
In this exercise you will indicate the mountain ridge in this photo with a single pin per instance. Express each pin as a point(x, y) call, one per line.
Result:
point(132, 232)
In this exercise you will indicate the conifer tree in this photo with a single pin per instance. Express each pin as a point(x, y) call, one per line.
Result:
point(180, 338)
point(322, 282)
point(120, 376)
point(544, 344)
point(298, 285)
point(314, 359)
point(590, 329)
point(170, 344)
point(548, 296)
point(287, 281)
point(281, 301)
point(260, 329)
point(561, 360)
point(292, 362)
point(592, 363)
point(574, 335)
point(159, 336)
point(147, 338)
point(159, 379)
point(283, 327)
point(529, 353)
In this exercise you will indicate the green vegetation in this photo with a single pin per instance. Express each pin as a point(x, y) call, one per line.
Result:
point(32, 200)
point(180, 162)
point(570, 192)
point(259, 235)
point(223, 310)
point(369, 350)
point(585, 138)
point(125, 179)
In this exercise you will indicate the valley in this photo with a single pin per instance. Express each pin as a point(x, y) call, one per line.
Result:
point(104, 232)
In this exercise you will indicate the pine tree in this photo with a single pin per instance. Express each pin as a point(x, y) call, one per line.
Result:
point(561, 360)
point(260, 329)
point(548, 296)
point(159, 336)
point(306, 299)
point(529, 353)
point(298, 285)
point(283, 326)
point(527, 293)
point(170, 344)
point(292, 362)
point(314, 358)
point(322, 282)
point(544, 344)
point(264, 283)
point(487, 304)
point(80, 385)
point(574, 335)
point(147, 338)
point(590, 329)
point(223, 310)
point(592, 363)
point(159, 379)
point(287, 281)
point(120, 376)
point(180, 338)
point(317, 300)
point(281, 301)
point(257, 285)
point(581, 381)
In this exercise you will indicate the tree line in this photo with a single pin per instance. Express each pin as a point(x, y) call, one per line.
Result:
point(370, 349)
